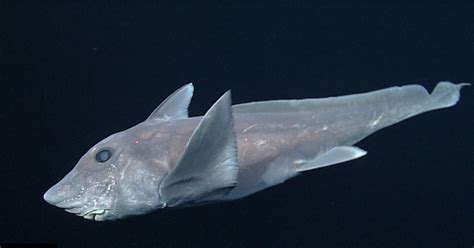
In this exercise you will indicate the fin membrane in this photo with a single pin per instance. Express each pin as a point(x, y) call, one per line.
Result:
point(336, 155)
point(208, 168)
point(174, 106)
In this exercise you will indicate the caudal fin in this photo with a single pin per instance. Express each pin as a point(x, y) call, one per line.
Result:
point(444, 95)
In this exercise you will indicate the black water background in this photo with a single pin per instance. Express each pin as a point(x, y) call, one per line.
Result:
point(73, 73)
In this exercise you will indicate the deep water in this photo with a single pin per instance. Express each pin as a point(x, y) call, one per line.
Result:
point(73, 73)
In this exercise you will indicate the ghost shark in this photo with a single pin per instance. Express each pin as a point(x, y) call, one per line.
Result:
point(172, 160)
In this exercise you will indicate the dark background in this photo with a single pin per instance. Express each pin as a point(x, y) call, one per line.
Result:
point(73, 73)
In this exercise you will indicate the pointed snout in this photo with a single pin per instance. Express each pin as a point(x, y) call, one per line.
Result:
point(62, 195)
point(51, 196)
point(66, 193)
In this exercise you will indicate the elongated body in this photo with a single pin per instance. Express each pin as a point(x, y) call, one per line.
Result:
point(233, 151)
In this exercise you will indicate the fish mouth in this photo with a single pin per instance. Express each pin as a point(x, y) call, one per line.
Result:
point(94, 214)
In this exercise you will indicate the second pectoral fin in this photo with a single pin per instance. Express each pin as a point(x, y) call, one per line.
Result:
point(208, 167)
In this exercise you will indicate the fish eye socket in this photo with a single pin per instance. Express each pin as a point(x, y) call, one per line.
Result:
point(103, 155)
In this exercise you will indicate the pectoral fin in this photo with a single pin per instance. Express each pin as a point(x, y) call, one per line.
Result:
point(336, 155)
point(174, 106)
point(208, 168)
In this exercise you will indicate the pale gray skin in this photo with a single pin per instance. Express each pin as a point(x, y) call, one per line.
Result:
point(235, 152)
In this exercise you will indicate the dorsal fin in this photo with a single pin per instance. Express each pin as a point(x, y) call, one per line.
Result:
point(174, 106)
point(207, 169)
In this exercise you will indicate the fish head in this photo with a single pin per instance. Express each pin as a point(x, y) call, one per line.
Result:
point(106, 183)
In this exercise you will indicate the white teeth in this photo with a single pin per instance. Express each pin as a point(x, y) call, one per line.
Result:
point(89, 216)
point(98, 211)
point(96, 214)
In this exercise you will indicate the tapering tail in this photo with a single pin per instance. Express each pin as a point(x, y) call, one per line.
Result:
point(444, 95)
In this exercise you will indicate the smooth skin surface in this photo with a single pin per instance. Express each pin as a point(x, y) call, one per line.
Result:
point(171, 160)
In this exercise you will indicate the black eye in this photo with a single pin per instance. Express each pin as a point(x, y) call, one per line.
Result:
point(103, 155)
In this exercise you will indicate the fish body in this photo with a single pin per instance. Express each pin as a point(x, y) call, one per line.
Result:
point(172, 160)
